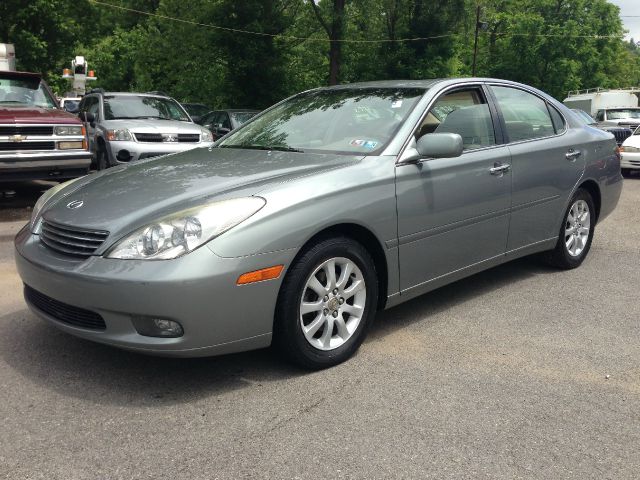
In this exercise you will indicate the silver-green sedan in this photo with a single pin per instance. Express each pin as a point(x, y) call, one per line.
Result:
point(297, 227)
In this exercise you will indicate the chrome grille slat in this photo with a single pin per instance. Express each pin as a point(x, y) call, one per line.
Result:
point(98, 236)
point(26, 130)
point(72, 243)
point(77, 242)
point(28, 145)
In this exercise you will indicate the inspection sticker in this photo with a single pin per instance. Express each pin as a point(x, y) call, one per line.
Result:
point(370, 145)
point(357, 143)
point(396, 104)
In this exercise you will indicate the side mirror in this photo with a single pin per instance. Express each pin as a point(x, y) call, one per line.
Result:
point(440, 145)
point(71, 108)
point(222, 131)
point(87, 117)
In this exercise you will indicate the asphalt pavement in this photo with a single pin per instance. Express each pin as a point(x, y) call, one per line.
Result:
point(522, 371)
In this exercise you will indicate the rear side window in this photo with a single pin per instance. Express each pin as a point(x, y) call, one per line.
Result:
point(557, 119)
point(526, 116)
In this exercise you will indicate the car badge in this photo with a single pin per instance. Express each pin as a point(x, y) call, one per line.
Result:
point(75, 204)
point(17, 138)
point(169, 137)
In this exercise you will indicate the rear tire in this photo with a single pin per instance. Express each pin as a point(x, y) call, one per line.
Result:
point(626, 172)
point(576, 233)
point(323, 317)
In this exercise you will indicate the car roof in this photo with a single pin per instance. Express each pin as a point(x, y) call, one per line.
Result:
point(128, 94)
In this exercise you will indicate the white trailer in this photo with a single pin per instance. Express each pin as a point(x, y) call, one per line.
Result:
point(595, 99)
point(7, 57)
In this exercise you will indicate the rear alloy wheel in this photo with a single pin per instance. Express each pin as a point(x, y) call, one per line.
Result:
point(576, 233)
point(326, 303)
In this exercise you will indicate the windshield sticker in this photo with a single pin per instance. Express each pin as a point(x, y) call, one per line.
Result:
point(370, 144)
point(396, 104)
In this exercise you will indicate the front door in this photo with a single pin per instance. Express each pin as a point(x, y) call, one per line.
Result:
point(454, 212)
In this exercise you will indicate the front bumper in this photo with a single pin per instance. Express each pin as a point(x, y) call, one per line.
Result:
point(119, 151)
point(630, 160)
point(198, 290)
point(44, 165)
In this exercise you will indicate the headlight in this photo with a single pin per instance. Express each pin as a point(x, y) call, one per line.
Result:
point(70, 130)
point(629, 149)
point(34, 223)
point(183, 232)
point(120, 135)
point(206, 136)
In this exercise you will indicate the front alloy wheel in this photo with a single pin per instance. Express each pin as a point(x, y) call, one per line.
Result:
point(332, 303)
point(326, 303)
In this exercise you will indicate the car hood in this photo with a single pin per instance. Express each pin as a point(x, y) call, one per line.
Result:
point(632, 141)
point(124, 198)
point(153, 126)
point(16, 114)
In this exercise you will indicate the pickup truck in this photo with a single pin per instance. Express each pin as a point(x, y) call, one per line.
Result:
point(38, 140)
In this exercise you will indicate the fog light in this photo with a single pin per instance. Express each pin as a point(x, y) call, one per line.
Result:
point(157, 327)
point(123, 155)
point(69, 145)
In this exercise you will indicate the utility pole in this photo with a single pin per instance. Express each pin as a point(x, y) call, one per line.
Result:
point(475, 43)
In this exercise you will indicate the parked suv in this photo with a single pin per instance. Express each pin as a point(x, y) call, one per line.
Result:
point(37, 139)
point(124, 127)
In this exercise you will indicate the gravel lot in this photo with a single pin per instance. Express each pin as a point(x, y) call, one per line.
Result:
point(518, 372)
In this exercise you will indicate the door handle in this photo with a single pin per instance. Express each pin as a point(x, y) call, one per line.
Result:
point(499, 168)
point(572, 154)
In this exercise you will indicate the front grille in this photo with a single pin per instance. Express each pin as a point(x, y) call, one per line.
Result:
point(78, 317)
point(20, 146)
point(24, 130)
point(148, 137)
point(621, 134)
point(72, 241)
point(189, 137)
point(158, 137)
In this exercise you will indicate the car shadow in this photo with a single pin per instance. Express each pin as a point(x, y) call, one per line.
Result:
point(79, 368)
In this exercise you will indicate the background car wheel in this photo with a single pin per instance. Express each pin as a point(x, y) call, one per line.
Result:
point(576, 232)
point(102, 158)
point(326, 303)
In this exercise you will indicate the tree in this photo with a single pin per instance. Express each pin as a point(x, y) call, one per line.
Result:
point(334, 29)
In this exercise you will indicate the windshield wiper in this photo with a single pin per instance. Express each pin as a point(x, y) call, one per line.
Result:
point(277, 148)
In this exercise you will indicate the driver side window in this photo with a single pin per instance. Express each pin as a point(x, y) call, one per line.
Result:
point(464, 112)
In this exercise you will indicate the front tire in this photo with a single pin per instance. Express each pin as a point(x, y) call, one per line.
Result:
point(576, 232)
point(326, 303)
point(102, 158)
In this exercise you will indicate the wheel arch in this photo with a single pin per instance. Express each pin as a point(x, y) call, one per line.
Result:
point(368, 240)
point(592, 187)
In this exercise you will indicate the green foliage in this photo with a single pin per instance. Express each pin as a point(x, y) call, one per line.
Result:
point(534, 41)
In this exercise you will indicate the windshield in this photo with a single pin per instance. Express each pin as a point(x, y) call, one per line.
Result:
point(242, 117)
point(140, 106)
point(25, 91)
point(343, 121)
point(621, 113)
point(196, 109)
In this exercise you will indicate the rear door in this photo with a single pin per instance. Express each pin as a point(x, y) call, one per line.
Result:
point(454, 212)
point(547, 160)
